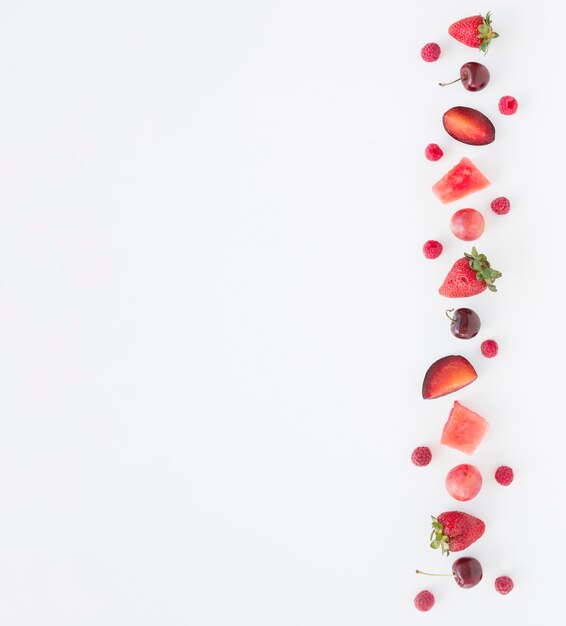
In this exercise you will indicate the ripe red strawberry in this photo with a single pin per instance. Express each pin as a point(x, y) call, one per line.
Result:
point(475, 31)
point(454, 531)
point(469, 276)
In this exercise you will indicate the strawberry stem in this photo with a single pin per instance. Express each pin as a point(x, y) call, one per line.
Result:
point(438, 538)
point(486, 33)
point(482, 268)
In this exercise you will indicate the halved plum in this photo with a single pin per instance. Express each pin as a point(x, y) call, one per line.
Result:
point(468, 126)
point(448, 374)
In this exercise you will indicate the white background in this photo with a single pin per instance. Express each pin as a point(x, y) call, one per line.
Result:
point(215, 315)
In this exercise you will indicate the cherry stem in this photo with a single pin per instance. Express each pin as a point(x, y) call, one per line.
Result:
point(427, 574)
point(448, 316)
point(451, 83)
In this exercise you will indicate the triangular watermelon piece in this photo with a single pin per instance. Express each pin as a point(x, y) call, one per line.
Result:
point(464, 178)
point(464, 429)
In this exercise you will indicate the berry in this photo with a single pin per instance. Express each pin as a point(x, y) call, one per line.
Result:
point(463, 482)
point(433, 152)
point(467, 224)
point(504, 475)
point(504, 584)
point(475, 31)
point(508, 105)
point(430, 52)
point(432, 249)
point(489, 348)
point(500, 205)
point(421, 456)
point(469, 276)
point(454, 531)
point(424, 600)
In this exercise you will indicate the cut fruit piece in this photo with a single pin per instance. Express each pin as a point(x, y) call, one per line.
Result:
point(464, 429)
point(468, 126)
point(448, 374)
point(463, 179)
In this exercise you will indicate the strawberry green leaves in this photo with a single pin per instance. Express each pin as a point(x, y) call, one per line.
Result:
point(486, 33)
point(438, 538)
point(483, 270)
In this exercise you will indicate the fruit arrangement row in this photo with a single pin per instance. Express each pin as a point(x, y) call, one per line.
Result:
point(470, 275)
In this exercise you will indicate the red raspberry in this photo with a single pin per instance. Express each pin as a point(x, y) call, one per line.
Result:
point(504, 475)
point(500, 205)
point(430, 52)
point(489, 348)
point(421, 456)
point(503, 584)
point(433, 152)
point(508, 105)
point(432, 249)
point(424, 600)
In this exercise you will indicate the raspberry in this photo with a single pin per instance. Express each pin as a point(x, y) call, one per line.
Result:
point(433, 152)
point(508, 105)
point(424, 600)
point(500, 205)
point(503, 584)
point(430, 52)
point(421, 456)
point(504, 475)
point(489, 348)
point(432, 249)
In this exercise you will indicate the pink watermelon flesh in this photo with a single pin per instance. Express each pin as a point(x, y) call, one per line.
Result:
point(464, 178)
point(464, 429)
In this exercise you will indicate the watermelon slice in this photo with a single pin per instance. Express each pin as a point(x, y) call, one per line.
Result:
point(464, 429)
point(464, 178)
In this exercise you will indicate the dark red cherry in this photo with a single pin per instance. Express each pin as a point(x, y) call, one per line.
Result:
point(465, 323)
point(474, 76)
point(467, 572)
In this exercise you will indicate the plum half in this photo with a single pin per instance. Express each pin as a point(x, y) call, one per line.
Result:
point(468, 126)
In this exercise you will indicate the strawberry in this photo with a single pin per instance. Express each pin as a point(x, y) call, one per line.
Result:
point(475, 31)
point(469, 276)
point(454, 531)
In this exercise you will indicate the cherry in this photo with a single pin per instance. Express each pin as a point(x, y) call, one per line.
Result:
point(466, 571)
point(474, 76)
point(465, 323)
